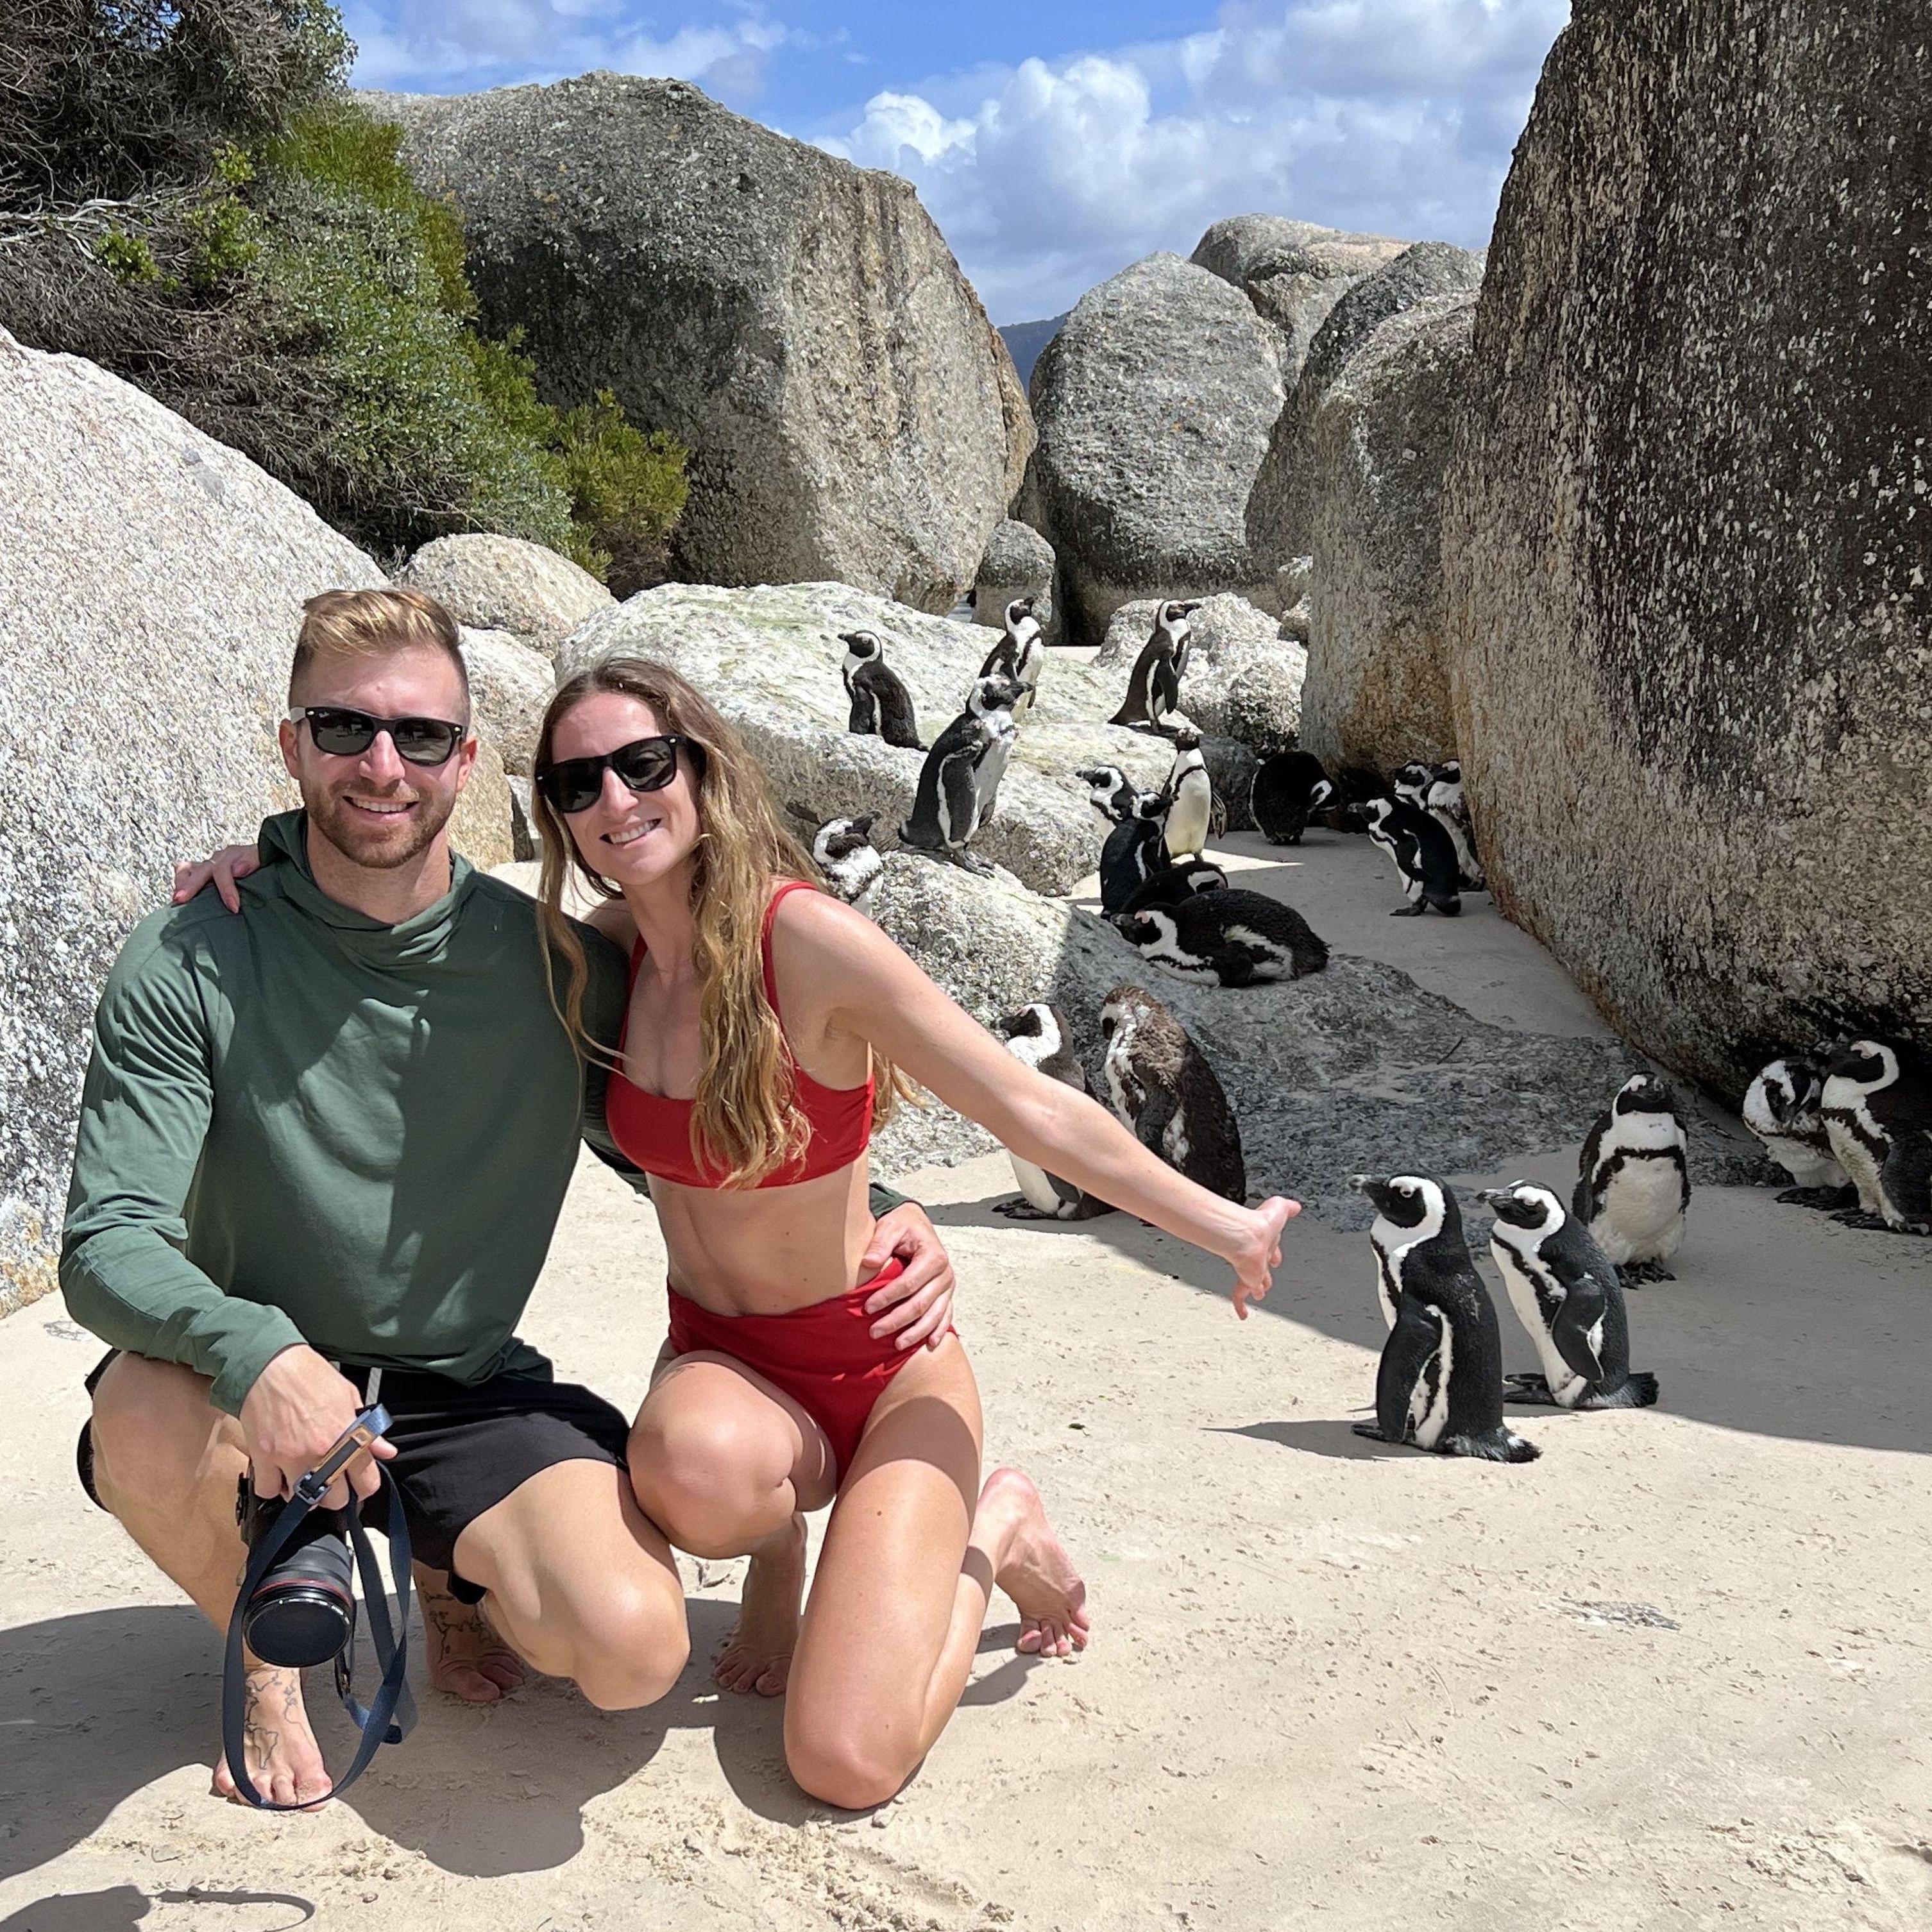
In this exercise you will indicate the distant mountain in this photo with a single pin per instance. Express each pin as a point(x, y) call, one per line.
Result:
point(1025, 340)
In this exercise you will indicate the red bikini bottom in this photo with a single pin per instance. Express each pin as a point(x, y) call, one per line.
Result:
point(824, 1356)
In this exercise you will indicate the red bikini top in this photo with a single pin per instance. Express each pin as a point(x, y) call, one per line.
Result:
point(654, 1130)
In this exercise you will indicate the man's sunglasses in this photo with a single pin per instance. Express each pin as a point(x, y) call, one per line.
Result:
point(645, 764)
point(343, 734)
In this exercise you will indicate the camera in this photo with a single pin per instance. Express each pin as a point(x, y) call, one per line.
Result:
point(303, 1611)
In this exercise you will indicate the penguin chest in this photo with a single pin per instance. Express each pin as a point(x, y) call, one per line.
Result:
point(991, 768)
point(1642, 1217)
point(1538, 1298)
point(1187, 821)
point(1037, 1185)
point(1859, 1148)
point(1808, 1165)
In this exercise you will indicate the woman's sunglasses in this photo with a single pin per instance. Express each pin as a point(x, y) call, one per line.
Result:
point(645, 764)
point(343, 734)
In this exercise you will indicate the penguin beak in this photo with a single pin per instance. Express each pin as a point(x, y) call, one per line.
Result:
point(1361, 1183)
point(1493, 1197)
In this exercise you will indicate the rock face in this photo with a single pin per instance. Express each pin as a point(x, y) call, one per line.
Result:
point(1378, 688)
point(768, 658)
point(1293, 271)
point(798, 323)
point(507, 584)
point(155, 581)
point(1280, 510)
point(1353, 1068)
point(1244, 680)
point(1154, 404)
point(1019, 562)
point(1688, 531)
point(510, 686)
point(483, 826)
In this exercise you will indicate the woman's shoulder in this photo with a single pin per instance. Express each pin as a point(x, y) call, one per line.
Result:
point(811, 927)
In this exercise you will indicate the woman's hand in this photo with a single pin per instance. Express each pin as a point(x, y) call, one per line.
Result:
point(916, 1305)
point(230, 863)
point(1257, 1254)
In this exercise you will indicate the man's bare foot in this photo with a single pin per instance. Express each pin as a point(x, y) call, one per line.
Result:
point(466, 1656)
point(1032, 1566)
point(284, 1761)
point(757, 1655)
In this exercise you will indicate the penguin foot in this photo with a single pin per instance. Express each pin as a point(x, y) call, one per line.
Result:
point(1368, 1430)
point(1856, 1217)
point(1407, 912)
point(1832, 1200)
point(1528, 1388)
point(1498, 1445)
point(1019, 1208)
point(1636, 1274)
point(970, 861)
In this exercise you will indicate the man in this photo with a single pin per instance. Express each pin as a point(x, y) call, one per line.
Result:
point(322, 1152)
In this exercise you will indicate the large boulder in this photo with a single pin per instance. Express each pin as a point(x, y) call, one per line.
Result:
point(1243, 678)
point(1686, 528)
point(1153, 404)
point(1019, 562)
point(1352, 1069)
point(1281, 508)
point(798, 323)
point(768, 658)
point(154, 580)
point(1293, 271)
point(1378, 686)
point(507, 584)
point(510, 687)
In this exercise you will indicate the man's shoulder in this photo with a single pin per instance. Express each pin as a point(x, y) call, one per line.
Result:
point(513, 906)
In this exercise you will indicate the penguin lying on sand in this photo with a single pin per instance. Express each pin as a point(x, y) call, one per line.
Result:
point(1020, 654)
point(1567, 1294)
point(1877, 1108)
point(844, 852)
point(1169, 887)
point(1290, 788)
point(1634, 1183)
point(1153, 686)
point(881, 705)
point(1166, 1095)
point(1038, 1036)
point(1422, 853)
point(1781, 1108)
point(1189, 793)
point(1440, 1383)
point(961, 774)
point(1230, 938)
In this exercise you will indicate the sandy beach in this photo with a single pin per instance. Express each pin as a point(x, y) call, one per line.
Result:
point(1673, 1675)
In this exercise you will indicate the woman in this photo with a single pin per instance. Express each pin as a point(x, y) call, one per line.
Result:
point(765, 1021)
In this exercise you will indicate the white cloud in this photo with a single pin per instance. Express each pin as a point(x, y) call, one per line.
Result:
point(1394, 116)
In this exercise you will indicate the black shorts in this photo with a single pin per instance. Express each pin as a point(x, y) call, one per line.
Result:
point(459, 1449)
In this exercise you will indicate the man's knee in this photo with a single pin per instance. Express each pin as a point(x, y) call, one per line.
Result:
point(629, 1646)
point(150, 1431)
point(840, 1765)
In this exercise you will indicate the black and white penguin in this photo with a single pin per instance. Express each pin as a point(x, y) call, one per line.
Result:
point(1409, 784)
point(1290, 788)
point(1440, 1384)
point(1444, 801)
point(844, 851)
point(960, 776)
point(1877, 1108)
point(1189, 792)
point(1133, 853)
point(881, 705)
point(1231, 937)
point(1567, 1294)
point(1782, 1108)
point(1153, 686)
point(1422, 854)
point(1175, 882)
point(1114, 797)
point(1038, 1036)
point(1021, 653)
point(1166, 1094)
point(1634, 1183)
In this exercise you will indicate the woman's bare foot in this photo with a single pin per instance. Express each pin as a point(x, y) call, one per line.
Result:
point(283, 1760)
point(757, 1655)
point(1031, 1565)
point(466, 1656)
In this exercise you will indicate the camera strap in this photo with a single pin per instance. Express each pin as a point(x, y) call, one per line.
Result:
point(390, 1714)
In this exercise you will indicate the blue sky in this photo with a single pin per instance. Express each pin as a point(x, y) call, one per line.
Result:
point(1055, 143)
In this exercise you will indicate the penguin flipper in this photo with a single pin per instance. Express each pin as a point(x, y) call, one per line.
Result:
point(1583, 1311)
point(960, 794)
point(1415, 1337)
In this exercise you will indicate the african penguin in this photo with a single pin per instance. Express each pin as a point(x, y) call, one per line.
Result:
point(1440, 1383)
point(1134, 853)
point(1633, 1184)
point(1877, 1108)
point(1020, 654)
point(1114, 797)
point(1175, 882)
point(1410, 783)
point(881, 705)
point(1567, 1294)
point(844, 850)
point(1422, 853)
point(1781, 1108)
point(1038, 1036)
point(1290, 788)
point(1166, 1093)
point(1189, 793)
point(1231, 937)
point(1153, 686)
point(1444, 802)
point(961, 774)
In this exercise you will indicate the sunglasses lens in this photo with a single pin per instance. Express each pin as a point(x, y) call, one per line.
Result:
point(426, 741)
point(342, 734)
point(574, 785)
point(649, 765)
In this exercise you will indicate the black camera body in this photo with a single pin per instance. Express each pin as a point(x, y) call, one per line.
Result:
point(303, 1611)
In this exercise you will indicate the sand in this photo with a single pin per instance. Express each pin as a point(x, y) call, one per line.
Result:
point(1673, 1675)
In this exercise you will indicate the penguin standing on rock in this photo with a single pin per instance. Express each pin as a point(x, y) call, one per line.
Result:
point(1877, 1108)
point(1166, 1094)
point(1020, 654)
point(1189, 792)
point(1422, 853)
point(1229, 938)
point(1634, 1184)
point(881, 705)
point(1134, 852)
point(1782, 1108)
point(1440, 1383)
point(1290, 788)
point(845, 853)
point(960, 776)
point(1567, 1294)
point(1037, 1037)
point(1153, 687)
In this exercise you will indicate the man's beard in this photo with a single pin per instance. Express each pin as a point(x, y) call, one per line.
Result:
point(379, 847)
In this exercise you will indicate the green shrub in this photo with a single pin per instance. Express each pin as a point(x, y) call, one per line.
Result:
point(129, 257)
point(627, 490)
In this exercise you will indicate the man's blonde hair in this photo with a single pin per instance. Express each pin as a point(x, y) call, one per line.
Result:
point(368, 623)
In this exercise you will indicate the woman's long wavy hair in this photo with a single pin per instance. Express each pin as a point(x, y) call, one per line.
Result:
point(746, 1121)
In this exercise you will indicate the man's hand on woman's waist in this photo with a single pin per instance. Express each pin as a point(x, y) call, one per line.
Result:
point(916, 1306)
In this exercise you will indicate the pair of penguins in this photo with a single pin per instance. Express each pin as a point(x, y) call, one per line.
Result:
point(959, 783)
point(1424, 828)
point(1853, 1127)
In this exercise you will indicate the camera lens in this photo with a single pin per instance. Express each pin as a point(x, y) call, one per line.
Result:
point(303, 1611)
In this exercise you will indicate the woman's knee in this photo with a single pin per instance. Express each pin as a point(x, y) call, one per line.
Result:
point(841, 1765)
point(711, 1481)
